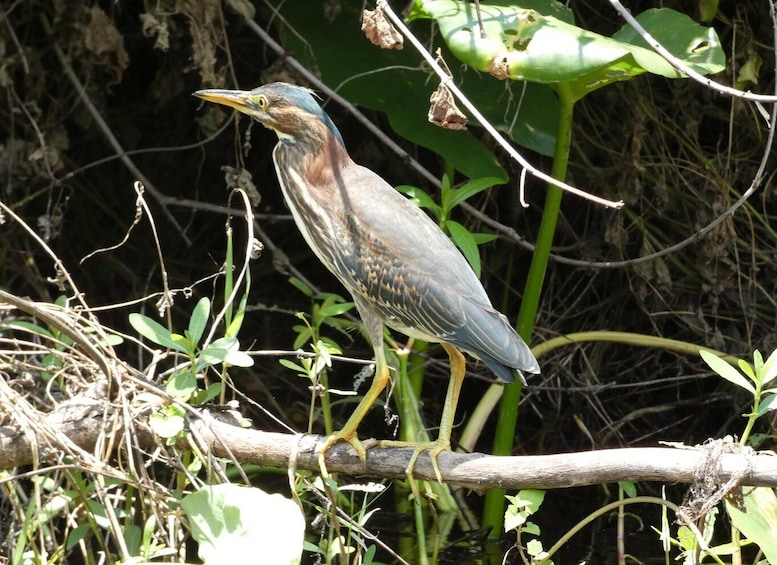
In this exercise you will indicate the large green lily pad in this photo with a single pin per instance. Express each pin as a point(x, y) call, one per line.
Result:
point(523, 44)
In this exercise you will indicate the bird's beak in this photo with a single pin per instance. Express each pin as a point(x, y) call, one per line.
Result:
point(238, 99)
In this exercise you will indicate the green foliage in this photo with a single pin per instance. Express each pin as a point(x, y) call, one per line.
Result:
point(757, 519)
point(327, 311)
point(450, 197)
point(753, 378)
point(524, 44)
point(231, 522)
point(520, 508)
point(357, 501)
point(168, 421)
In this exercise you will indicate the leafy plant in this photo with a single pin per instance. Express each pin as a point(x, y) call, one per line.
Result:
point(756, 515)
point(451, 197)
point(521, 506)
point(182, 385)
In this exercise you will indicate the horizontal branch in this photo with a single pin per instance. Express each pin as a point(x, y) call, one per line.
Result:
point(81, 421)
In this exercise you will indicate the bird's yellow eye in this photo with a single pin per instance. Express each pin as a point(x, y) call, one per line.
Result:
point(261, 101)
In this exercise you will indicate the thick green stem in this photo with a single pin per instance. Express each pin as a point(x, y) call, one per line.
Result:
point(493, 512)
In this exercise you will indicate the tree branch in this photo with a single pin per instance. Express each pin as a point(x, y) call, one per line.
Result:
point(81, 420)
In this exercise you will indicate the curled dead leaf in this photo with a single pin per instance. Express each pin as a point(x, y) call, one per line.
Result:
point(443, 111)
point(380, 31)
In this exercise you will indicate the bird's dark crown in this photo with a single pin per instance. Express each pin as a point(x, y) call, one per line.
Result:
point(290, 109)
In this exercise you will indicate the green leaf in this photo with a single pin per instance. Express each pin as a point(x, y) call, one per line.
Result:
point(77, 534)
point(707, 10)
point(293, 366)
point(531, 528)
point(532, 499)
point(768, 404)
point(237, 321)
point(166, 424)
point(523, 44)
point(395, 83)
point(30, 327)
point(725, 370)
point(747, 369)
point(182, 386)
point(230, 522)
point(629, 488)
point(770, 368)
point(332, 310)
point(470, 189)
point(758, 519)
point(481, 238)
point(199, 320)
point(132, 537)
point(304, 335)
point(697, 46)
point(421, 199)
point(301, 286)
point(225, 350)
point(112, 340)
point(203, 396)
point(155, 332)
point(464, 241)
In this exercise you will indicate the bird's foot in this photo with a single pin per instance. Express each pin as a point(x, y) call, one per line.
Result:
point(342, 435)
point(433, 447)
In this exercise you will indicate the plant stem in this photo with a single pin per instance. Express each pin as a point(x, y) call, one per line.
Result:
point(493, 511)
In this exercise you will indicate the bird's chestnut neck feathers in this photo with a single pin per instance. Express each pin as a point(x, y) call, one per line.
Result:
point(308, 139)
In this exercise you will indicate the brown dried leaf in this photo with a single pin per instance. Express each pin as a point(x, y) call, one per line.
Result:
point(443, 111)
point(152, 26)
point(203, 20)
point(103, 40)
point(380, 31)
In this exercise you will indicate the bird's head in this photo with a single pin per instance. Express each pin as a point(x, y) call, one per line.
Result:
point(289, 110)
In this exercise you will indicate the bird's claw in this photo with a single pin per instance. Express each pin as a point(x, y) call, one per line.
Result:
point(342, 435)
point(433, 447)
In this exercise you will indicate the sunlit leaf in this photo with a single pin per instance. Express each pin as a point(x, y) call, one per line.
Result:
point(166, 425)
point(464, 241)
point(335, 309)
point(758, 519)
point(396, 83)
point(421, 199)
point(155, 332)
point(523, 44)
point(770, 368)
point(470, 189)
point(226, 350)
point(725, 370)
point(231, 522)
point(199, 320)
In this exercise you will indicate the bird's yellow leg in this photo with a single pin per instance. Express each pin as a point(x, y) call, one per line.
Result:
point(443, 443)
point(348, 431)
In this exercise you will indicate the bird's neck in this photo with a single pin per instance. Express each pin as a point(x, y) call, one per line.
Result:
point(316, 158)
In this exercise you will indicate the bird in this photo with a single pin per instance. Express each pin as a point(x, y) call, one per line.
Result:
point(400, 268)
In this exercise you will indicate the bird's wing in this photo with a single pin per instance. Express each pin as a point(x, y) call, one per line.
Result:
point(391, 252)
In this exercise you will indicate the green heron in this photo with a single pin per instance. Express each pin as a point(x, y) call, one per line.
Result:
point(400, 268)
